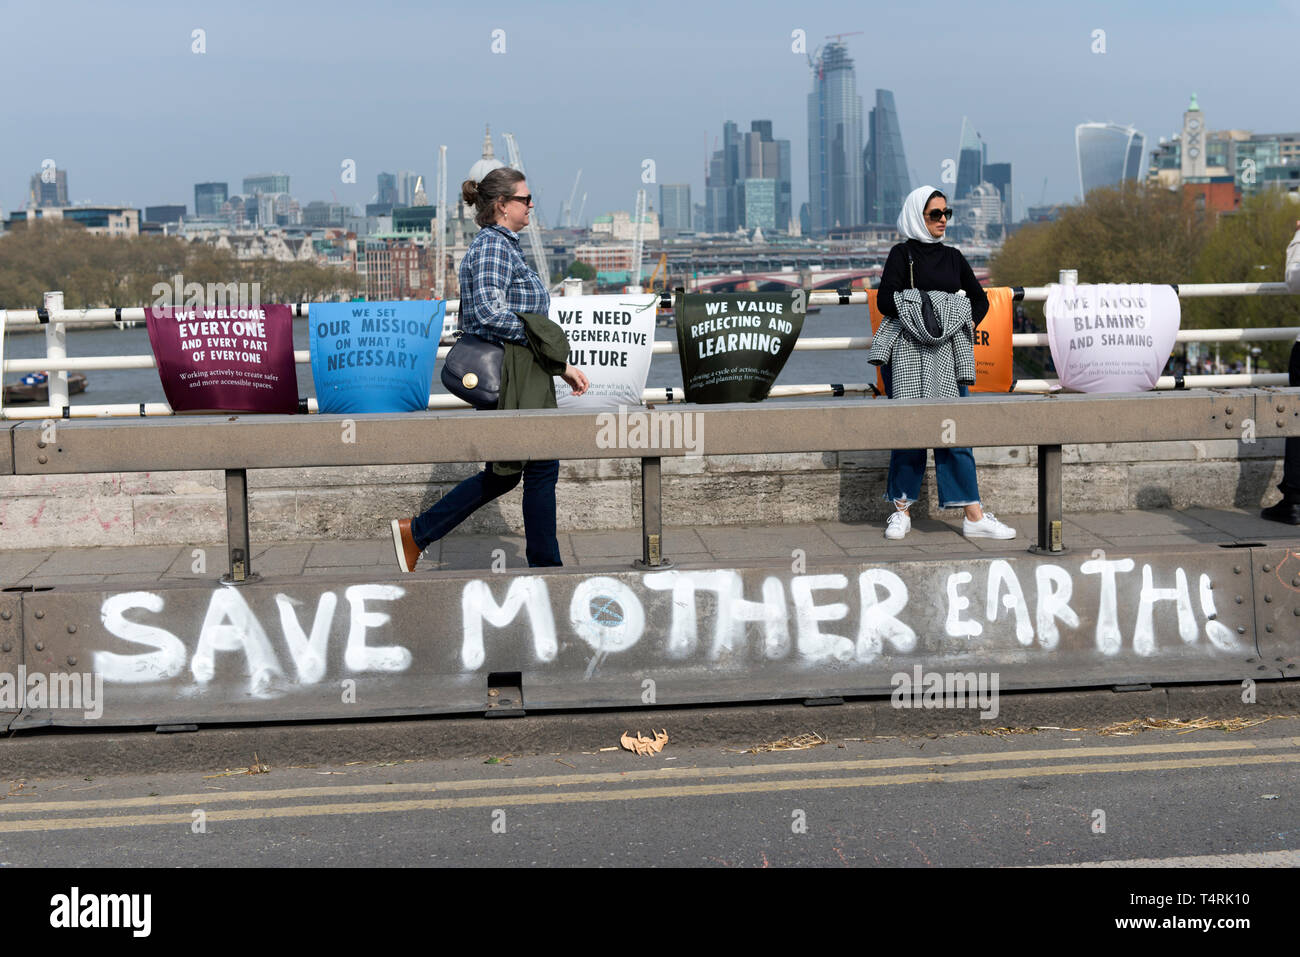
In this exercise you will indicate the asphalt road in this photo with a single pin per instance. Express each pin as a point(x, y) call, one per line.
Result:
point(1054, 797)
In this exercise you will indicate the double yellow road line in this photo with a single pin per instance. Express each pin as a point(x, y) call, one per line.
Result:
point(20, 815)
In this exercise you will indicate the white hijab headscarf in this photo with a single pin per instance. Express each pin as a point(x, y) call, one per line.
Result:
point(911, 221)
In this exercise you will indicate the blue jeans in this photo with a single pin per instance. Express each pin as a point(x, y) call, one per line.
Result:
point(954, 469)
point(543, 549)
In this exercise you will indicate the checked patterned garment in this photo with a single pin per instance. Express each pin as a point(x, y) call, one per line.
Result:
point(496, 284)
point(925, 366)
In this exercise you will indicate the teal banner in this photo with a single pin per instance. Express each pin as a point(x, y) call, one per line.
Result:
point(375, 356)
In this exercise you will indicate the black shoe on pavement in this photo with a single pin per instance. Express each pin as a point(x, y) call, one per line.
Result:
point(1286, 512)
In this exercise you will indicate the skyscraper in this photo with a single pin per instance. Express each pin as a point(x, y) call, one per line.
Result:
point(209, 198)
point(784, 187)
point(675, 207)
point(887, 182)
point(406, 187)
point(266, 183)
point(49, 188)
point(724, 172)
point(747, 156)
point(1108, 154)
point(757, 203)
point(768, 158)
point(999, 176)
point(970, 161)
point(835, 180)
point(387, 190)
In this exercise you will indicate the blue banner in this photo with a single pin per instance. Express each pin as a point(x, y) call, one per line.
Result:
point(375, 356)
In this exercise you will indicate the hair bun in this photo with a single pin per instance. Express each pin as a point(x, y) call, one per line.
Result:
point(469, 192)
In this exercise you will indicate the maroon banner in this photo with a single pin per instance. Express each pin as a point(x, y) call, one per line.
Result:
point(225, 359)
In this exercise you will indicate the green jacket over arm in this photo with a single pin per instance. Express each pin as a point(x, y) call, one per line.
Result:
point(527, 372)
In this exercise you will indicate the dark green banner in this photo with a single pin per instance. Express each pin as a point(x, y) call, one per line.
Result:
point(732, 346)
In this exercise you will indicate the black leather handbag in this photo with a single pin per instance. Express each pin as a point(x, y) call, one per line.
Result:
point(932, 324)
point(472, 370)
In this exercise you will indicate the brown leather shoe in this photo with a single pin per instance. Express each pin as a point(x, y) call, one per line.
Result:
point(408, 553)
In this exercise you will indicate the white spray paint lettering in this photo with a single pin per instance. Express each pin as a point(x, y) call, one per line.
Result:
point(231, 625)
point(608, 614)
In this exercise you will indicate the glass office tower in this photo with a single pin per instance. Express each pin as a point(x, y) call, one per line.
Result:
point(887, 182)
point(970, 161)
point(209, 198)
point(1108, 154)
point(835, 178)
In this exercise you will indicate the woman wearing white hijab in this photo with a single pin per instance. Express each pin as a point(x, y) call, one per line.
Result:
point(924, 262)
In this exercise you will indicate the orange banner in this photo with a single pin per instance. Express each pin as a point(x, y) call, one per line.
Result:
point(876, 319)
point(993, 370)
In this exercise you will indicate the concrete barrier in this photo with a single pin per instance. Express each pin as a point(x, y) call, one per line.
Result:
point(298, 649)
point(311, 504)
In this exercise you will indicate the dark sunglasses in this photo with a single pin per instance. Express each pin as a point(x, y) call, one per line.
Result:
point(527, 199)
point(937, 214)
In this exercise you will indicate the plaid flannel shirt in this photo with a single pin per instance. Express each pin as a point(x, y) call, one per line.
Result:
point(496, 283)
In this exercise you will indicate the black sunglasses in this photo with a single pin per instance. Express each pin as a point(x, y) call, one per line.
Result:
point(937, 214)
point(526, 199)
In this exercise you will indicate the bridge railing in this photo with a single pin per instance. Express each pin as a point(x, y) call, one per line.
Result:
point(236, 443)
point(56, 321)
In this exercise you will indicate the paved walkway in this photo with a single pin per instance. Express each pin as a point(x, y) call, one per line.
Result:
point(690, 546)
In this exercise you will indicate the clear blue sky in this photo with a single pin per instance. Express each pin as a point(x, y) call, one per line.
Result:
point(113, 93)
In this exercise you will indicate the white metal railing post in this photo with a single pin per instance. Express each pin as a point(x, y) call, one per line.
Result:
point(56, 350)
point(3, 316)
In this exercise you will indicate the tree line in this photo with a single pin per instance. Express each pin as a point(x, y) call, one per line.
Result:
point(95, 271)
point(1136, 233)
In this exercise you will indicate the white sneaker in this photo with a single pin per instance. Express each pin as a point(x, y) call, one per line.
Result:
point(899, 524)
point(986, 527)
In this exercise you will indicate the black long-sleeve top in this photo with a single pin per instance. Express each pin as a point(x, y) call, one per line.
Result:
point(939, 268)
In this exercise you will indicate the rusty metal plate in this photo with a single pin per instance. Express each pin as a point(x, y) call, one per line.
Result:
point(1277, 610)
point(294, 649)
point(276, 441)
point(11, 653)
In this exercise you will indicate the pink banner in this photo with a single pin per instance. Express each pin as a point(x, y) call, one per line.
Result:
point(225, 359)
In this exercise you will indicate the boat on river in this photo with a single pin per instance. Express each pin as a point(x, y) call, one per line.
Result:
point(35, 387)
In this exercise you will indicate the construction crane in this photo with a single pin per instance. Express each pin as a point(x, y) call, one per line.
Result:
point(440, 245)
point(638, 232)
point(534, 222)
point(581, 206)
point(815, 58)
point(567, 212)
point(661, 264)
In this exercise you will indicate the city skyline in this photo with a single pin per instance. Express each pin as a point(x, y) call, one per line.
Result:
point(240, 107)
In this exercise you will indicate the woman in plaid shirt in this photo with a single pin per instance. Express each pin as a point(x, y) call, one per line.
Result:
point(495, 285)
